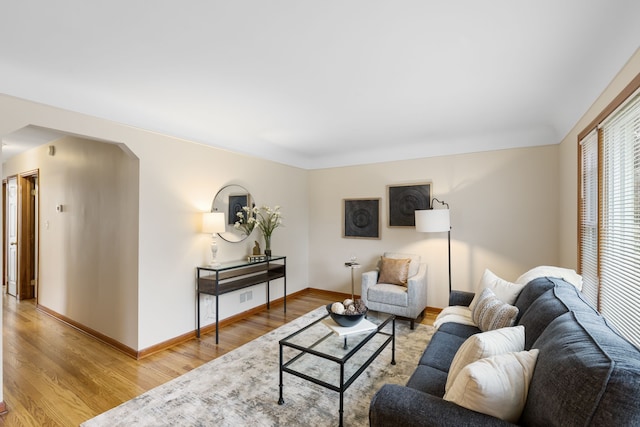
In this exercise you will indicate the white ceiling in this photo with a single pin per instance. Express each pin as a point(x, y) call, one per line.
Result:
point(323, 83)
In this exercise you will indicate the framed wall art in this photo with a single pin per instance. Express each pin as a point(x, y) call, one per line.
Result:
point(404, 200)
point(361, 218)
point(236, 203)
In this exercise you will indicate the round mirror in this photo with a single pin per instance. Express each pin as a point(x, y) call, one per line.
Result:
point(230, 200)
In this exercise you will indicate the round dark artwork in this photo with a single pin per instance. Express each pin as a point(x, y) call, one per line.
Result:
point(361, 218)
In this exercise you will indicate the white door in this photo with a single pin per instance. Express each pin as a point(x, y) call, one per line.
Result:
point(12, 236)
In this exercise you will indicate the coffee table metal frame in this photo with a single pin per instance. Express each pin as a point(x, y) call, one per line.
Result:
point(344, 383)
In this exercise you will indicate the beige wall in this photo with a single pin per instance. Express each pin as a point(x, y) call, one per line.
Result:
point(503, 211)
point(511, 209)
point(568, 237)
point(89, 251)
point(177, 181)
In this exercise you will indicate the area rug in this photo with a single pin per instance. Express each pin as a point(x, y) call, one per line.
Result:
point(241, 388)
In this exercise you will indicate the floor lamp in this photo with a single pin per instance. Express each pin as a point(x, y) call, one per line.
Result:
point(213, 223)
point(436, 221)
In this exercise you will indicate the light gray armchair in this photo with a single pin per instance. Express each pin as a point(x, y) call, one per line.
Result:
point(404, 301)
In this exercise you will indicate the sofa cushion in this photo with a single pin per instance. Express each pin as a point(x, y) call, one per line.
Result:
point(394, 271)
point(561, 298)
point(530, 293)
point(441, 350)
point(571, 297)
point(463, 331)
point(483, 345)
point(542, 312)
point(395, 405)
point(429, 380)
point(496, 386)
point(491, 313)
point(586, 374)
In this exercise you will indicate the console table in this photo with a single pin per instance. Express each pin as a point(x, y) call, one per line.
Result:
point(234, 275)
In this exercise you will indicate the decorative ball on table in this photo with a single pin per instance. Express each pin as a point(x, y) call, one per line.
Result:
point(347, 313)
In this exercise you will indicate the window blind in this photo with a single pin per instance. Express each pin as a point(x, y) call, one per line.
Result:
point(620, 222)
point(589, 216)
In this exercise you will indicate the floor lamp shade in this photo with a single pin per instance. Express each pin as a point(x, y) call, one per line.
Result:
point(436, 221)
point(433, 220)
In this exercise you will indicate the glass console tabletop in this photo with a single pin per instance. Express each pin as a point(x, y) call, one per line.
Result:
point(317, 354)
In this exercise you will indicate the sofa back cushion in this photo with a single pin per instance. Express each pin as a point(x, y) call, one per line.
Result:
point(586, 374)
point(530, 293)
point(557, 300)
point(541, 312)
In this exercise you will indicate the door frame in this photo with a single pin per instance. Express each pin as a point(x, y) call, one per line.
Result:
point(28, 234)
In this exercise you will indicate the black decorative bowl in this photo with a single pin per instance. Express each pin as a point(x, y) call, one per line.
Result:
point(346, 320)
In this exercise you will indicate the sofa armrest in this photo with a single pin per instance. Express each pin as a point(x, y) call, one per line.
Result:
point(462, 298)
point(395, 405)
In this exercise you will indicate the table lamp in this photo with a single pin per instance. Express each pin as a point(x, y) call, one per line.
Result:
point(213, 223)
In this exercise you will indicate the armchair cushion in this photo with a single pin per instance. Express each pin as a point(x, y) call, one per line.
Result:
point(414, 265)
point(394, 271)
point(389, 294)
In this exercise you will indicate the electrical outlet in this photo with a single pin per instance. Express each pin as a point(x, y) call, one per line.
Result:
point(209, 308)
point(246, 296)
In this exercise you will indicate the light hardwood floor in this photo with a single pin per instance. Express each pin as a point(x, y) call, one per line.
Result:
point(55, 375)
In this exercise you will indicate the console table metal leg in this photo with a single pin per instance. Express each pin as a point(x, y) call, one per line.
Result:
point(217, 305)
point(198, 304)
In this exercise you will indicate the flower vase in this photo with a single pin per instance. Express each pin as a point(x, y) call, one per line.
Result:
point(267, 245)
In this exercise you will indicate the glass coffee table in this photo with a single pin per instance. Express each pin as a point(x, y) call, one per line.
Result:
point(334, 357)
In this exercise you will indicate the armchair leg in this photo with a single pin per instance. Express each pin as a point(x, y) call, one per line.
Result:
point(419, 318)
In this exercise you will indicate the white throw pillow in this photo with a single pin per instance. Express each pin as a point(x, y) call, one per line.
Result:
point(455, 314)
point(506, 291)
point(549, 271)
point(491, 313)
point(496, 386)
point(483, 345)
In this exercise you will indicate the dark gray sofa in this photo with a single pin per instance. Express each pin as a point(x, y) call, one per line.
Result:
point(586, 373)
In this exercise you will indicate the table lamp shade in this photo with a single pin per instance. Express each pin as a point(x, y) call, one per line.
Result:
point(213, 222)
point(433, 220)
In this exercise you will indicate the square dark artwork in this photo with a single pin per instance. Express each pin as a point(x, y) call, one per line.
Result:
point(404, 200)
point(361, 218)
